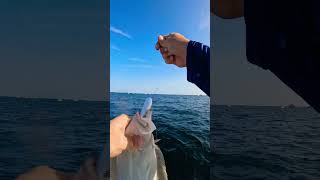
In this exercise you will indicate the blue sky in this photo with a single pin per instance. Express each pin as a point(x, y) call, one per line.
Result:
point(135, 65)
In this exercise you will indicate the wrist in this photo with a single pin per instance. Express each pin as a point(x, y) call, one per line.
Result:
point(185, 51)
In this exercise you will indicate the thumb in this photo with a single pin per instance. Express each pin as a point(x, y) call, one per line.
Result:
point(162, 41)
point(121, 121)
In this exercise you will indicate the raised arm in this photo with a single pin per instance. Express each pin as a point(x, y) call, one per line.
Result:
point(195, 56)
point(198, 65)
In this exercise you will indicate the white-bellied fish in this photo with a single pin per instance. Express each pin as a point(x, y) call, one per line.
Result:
point(145, 163)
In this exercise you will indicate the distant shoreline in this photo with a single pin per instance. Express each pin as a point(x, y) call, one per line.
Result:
point(158, 94)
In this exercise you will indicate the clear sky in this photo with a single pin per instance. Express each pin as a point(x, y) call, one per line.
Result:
point(235, 81)
point(135, 65)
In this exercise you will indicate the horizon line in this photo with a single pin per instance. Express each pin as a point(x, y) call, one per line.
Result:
point(160, 93)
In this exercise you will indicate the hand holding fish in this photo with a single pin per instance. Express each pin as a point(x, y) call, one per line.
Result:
point(119, 141)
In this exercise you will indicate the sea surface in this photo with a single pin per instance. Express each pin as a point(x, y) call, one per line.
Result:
point(254, 143)
point(182, 123)
point(57, 133)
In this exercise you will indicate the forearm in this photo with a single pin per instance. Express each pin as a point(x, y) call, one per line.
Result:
point(198, 65)
point(227, 9)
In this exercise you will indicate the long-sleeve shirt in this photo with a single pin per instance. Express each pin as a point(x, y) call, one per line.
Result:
point(198, 65)
point(284, 37)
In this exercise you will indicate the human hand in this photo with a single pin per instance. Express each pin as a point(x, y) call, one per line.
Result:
point(173, 48)
point(119, 141)
point(87, 172)
point(45, 172)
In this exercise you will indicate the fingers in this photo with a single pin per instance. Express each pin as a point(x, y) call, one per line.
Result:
point(171, 35)
point(169, 59)
point(163, 50)
point(166, 58)
point(162, 45)
point(172, 59)
point(162, 41)
point(120, 122)
point(157, 46)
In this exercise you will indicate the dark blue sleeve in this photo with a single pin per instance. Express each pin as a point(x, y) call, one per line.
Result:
point(198, 65)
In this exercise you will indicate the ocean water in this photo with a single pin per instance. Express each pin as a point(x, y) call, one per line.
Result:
point(182, 125)
point(61, 134)
point(265, 143)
